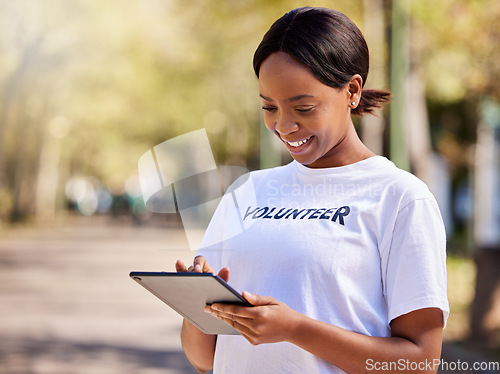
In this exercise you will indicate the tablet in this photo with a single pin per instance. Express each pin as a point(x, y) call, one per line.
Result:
point(189, 293)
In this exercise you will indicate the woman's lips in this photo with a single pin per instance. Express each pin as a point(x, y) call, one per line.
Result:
point(297, 146)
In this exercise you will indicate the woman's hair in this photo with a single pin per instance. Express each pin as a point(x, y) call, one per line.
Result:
point(329, 44)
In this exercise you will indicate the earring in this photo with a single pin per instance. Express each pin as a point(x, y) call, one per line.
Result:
point(353, 103)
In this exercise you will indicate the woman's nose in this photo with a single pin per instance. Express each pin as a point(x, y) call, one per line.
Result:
point(286, 125)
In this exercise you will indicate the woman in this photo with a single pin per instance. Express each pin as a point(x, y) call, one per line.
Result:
point(343, 253)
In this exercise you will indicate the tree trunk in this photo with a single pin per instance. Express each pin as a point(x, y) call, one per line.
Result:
point(374, 30)
point(485, 311)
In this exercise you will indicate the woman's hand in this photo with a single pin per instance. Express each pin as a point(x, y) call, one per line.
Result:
point(268, 321)
point(200, 265)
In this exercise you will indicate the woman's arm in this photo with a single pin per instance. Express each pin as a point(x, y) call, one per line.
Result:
point(414, 347)
point(198, 346)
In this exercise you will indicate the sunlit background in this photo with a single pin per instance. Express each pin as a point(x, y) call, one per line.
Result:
point(88, 86)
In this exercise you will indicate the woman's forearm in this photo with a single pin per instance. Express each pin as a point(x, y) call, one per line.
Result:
point(414, 345)
point(357, 353)
point(198, 347)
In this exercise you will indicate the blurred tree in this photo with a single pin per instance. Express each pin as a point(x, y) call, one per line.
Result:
point(28, 96)
point(374, 20)
point(458, 43)
point(455, 42)
point(122, 76)
point(128, 75)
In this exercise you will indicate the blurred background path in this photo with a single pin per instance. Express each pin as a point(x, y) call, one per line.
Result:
point(67, 304)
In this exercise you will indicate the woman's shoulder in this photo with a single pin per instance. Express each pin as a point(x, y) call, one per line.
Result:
point(400, 183)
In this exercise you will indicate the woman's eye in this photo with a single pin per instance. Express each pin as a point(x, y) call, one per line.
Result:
point(269, 108)
point(304, 110)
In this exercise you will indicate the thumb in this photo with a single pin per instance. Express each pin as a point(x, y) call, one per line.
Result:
point(257, 300)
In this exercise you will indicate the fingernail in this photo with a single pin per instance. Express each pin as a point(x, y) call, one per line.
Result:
point(214, 307)
point(197, 267)
point(207, 309)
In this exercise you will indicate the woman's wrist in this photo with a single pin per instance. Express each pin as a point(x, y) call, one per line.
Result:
point(300, 329)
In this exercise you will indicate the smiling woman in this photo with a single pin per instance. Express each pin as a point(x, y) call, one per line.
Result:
point(330, 45)
point(311, 118)
point(328, 57)
point(339, 276)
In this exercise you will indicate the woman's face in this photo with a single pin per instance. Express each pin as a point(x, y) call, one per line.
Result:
point(311, 118)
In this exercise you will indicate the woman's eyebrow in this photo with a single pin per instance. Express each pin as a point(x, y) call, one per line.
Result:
point(300, 97)
point(291, 99)
point(265, 98)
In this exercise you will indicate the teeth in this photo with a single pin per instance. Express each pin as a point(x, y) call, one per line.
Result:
point(299, 143)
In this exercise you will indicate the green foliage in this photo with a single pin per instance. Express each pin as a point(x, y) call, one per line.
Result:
point(127, 75)
point(457, 44)
point(461, 281)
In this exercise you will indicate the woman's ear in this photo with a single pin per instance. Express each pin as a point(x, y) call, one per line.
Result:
point(354, 88)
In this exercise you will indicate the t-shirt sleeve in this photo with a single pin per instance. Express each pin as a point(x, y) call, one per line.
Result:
point(414, 266)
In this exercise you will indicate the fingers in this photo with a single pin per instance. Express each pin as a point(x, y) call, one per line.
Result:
point(242, 313)
point(257, 300)
point(243, 325)
point(224, 273)
point(229, 310)
point(270, 321)
point(200, 265)
point(230, 315)
point(180, 267)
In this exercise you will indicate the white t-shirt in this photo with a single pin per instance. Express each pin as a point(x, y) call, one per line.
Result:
point(354, 246)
